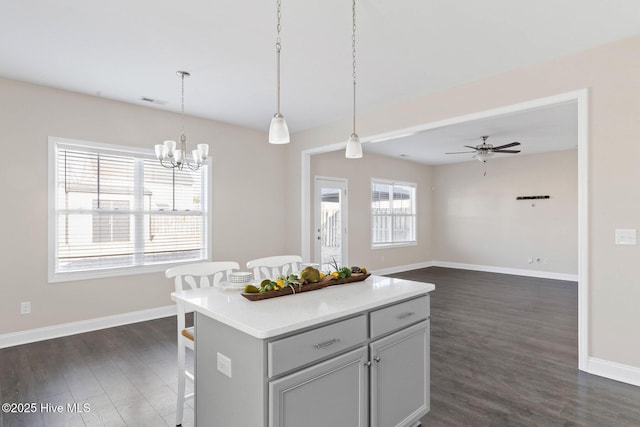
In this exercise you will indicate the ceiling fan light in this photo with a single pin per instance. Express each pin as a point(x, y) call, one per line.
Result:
point(483, 157)
point(278, 131)
point(354, 147)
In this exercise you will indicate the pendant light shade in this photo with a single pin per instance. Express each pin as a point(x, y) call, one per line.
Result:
point(354, 148)
point(278, 131)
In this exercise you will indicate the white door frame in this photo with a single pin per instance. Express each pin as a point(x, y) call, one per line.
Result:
point(344, 216)
point(581, 97)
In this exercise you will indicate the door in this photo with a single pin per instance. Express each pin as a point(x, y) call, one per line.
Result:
point(400, 377)
point(330, 226)
point(331, 393)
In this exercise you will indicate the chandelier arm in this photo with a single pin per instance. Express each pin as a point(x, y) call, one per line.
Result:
point(168, 167)
point(193, 167)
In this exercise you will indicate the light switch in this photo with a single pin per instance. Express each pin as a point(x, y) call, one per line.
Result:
point(626, 237)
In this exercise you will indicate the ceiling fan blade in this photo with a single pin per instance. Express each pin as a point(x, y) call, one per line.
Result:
point(513, 144)
point(473, 148)
point(506, 151)
point(461, 152)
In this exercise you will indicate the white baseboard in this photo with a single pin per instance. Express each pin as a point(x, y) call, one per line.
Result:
point(505, 270)
point(401, 268)
point(615, 371)
point(65, 329)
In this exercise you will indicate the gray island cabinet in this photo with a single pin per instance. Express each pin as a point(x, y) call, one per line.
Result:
point(352, 355)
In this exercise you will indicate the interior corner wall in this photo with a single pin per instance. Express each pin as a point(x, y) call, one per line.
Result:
point(479, 221)
point(247, 218)
point(611, 73)
point(358, 174)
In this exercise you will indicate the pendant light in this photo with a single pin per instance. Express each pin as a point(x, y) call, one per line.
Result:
point(278, 131)
point(172, 158)
point(354, 148)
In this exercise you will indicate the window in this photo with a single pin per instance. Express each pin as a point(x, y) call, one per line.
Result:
point(393, 213)
point(115, 210)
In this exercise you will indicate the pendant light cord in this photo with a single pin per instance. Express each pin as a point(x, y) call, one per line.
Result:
point(353, 54)
point(278, 48)
point(182, 108)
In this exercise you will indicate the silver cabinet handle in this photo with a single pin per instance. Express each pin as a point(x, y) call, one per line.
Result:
point(405, 315)
point(377, 359)
point(367, 363)
point(327, 343)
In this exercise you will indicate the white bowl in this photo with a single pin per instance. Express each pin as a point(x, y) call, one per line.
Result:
point(240, 277)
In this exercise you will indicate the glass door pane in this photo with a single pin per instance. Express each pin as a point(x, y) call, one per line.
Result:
point(330, 222)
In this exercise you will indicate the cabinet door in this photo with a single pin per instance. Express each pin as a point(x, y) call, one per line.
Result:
point(400, 377)
point(332, 393)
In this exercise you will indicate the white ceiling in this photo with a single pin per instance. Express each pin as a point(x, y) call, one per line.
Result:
point(125, 50)
point(544, 129)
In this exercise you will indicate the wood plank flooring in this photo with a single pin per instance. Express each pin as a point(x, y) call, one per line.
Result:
point(503, 353)
point(127, 376)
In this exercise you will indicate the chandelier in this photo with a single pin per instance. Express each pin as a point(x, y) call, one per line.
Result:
point(170, 157)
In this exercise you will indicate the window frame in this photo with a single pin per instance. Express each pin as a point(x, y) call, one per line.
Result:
point(59, 277)
point(402, 243)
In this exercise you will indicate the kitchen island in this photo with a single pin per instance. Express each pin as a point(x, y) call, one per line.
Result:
point(352, 355)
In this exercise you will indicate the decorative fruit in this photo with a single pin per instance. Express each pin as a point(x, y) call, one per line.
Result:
point(310, 274)
point(356, 270)
point(251, 289)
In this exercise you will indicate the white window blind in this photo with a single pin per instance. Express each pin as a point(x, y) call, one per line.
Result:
point(115, 209)
point(393, 213)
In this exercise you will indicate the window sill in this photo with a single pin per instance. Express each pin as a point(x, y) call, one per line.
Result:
point(393, 245)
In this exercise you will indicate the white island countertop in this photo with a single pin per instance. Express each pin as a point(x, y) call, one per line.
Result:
point(276, 316)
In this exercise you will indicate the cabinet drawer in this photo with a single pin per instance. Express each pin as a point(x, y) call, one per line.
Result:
point(399, 315)
point(297, 350)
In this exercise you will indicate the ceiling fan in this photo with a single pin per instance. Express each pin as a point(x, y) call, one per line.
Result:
point(484, 150)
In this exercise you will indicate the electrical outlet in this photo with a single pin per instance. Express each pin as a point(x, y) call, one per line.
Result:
point(25, 307)
point(224, 364)
point(530, 260)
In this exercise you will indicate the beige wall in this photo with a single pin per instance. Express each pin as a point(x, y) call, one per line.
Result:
point(612, 74)
point(477, 219)
point(248, 186)
point(359, 174)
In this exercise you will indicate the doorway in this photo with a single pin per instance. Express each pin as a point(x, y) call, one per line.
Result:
point(330, 221)
point(581, 99)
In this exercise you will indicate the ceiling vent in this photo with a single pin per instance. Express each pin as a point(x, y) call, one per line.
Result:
point(153, 101)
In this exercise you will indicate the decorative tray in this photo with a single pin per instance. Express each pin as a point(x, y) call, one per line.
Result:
point(355, 277)
point(287, 291)
point(304, 288)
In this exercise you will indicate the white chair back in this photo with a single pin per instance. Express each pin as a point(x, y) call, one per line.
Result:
point(192, 276)
point(200, 274)
point(274, 266)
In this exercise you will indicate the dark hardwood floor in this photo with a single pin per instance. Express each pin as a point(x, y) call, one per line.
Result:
point(503, 353)
point(126, 375)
